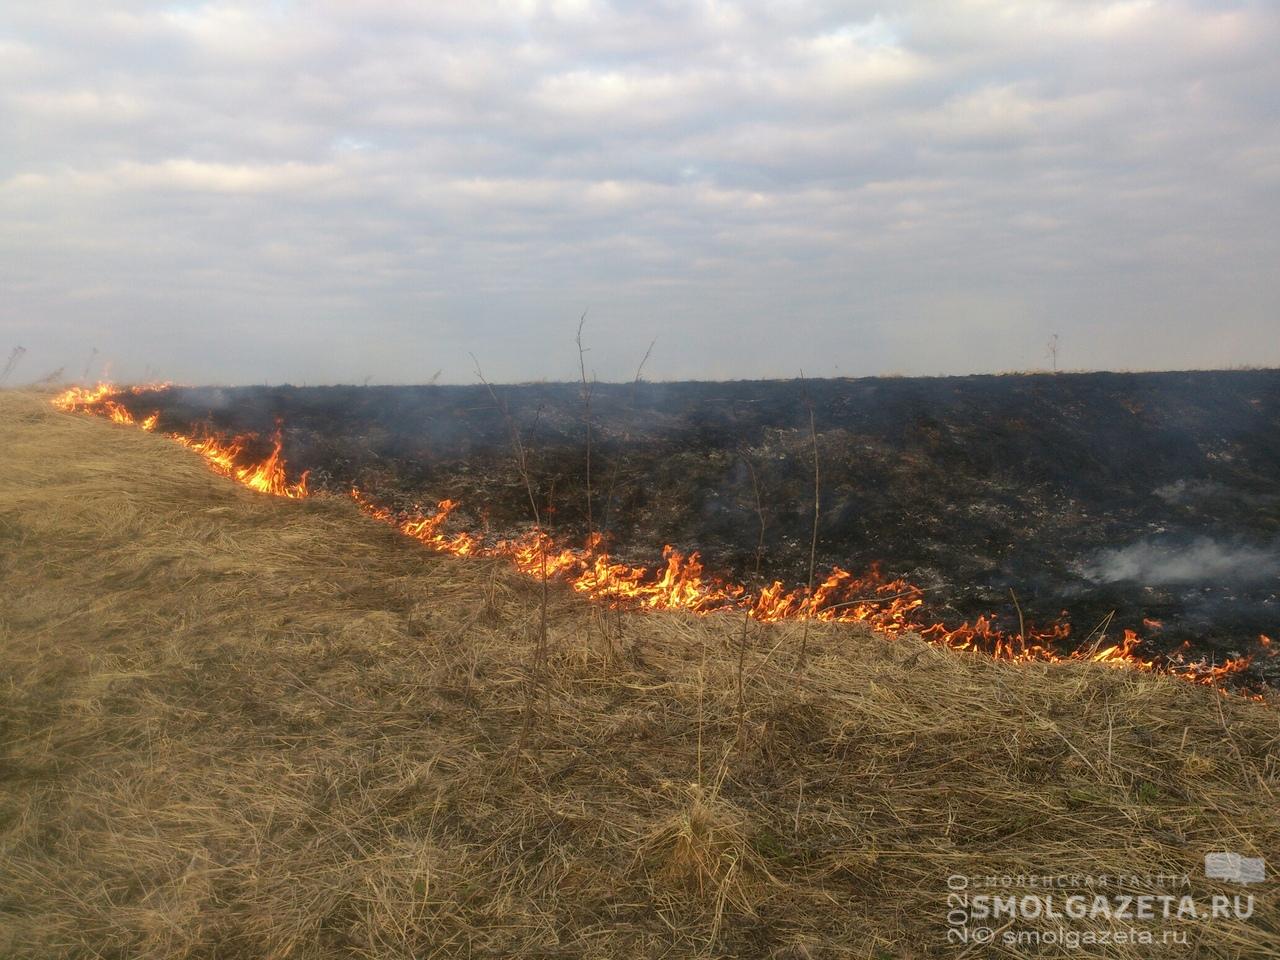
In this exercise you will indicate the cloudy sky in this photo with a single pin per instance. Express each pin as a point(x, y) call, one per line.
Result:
point(333, 191)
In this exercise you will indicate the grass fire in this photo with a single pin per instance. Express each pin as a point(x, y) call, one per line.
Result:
point(288, 718)
point(889, 605)
point(596, 480)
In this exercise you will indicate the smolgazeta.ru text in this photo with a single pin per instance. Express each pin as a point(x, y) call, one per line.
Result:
point(981, 906)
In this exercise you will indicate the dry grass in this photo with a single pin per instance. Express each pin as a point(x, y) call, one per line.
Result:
point(239, 727)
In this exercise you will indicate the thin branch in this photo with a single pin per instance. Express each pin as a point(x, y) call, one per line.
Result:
point(755, 490)
point(15, 355)
point(1022, 627)
point(626, 434)
point(746, 613)
point(84, 377)
point(858, 601)
point(586, 417)
point(639, 370)
point(538, 676)
point(813, 542)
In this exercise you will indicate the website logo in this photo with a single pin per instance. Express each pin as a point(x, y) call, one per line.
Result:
point(1234, 868)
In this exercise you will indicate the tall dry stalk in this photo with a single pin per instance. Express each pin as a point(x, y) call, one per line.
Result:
point(755, 490)
point(537, 675)
point(88, 364)
point(626, 432)
point(613, 471)
point(587, 388)
point(15, 355)
point(813, 542)
point(585, 394)
point(746, 614)
point(54, 376)
point(1022, 627)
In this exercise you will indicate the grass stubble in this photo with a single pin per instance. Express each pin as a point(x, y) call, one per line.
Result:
point(242, 727)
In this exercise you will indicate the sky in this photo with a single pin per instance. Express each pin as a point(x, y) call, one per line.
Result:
point(318, 192)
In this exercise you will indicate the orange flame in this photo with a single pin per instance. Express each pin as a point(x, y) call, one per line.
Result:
point(889, 606)
point(267, 476)
point(224, 456)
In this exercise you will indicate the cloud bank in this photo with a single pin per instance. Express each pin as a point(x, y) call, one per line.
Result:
point(329, 191)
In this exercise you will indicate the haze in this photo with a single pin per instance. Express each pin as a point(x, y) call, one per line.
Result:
point(328, 191)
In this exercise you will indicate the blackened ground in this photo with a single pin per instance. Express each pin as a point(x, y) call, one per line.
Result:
point(1154, 495)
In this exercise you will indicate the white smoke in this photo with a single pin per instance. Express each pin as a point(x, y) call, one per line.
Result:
point(1186, 491)
point(1202, 561)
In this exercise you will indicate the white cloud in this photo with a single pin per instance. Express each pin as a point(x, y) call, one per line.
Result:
point(177, 174)
point(947, 182)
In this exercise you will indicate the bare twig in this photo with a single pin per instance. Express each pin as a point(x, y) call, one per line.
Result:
point(1100, 631)
point(586, 418)
point(635, 383)
point(538, 676)
point(1022, 627)
point(587, 389)
point(88, 364)
point(54, 376)
point(755, 489)
point(1052, 351)
point(883, 598)
point(613, 469)
point(746, 613)
point(813, 542)
point(15, 355)
point(626, 433)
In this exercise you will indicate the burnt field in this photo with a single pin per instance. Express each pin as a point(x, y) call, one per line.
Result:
point(1153, 496)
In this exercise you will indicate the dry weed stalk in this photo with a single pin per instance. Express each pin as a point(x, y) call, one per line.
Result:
point(15, 355)
point(626, 431)
point(538, 675)
point(88, 365)
point(1022, 626)
point(587, 388)
point(746, 614)
point(613, 477)
point(50, 378)
point(813, 542)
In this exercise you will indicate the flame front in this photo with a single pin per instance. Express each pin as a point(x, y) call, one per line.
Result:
point(267, 476)
point(223, 456)
point(889, 606)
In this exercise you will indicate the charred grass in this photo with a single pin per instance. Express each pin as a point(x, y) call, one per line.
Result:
point(240, 727)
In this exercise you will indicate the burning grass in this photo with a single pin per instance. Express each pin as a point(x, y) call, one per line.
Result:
point(890, 606)
point(245, 726)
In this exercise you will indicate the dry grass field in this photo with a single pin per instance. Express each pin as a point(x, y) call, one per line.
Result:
point(242, 727)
